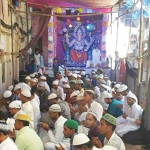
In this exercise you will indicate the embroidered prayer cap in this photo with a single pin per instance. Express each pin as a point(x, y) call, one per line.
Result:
point(74, 75)
point(26, 93)
point(41, 84)
point(79, 82)
point(3, 126)
point(83, 116)
point(82, 73)
point(7, 94)
point(93, 114)
point(32, 75)
point(109, 118)
point(52, 96)
point(107, 95)
point(71, 124)
point(10, 88)
point(75, 93)
point(33, 80)
point(23, 117)
point(55, 82)
point(122, 88)
point(15, 104)
point(80, 139)
point(131, 95)
point(78, 76)
point(90, 91)
point(72, 81)
point(43, 78)
point(69, 74)
point(17, 87)
point(55, 108)
point(116, 86)
point(80, 96)
point(67, 86)
point(93, 72)
point(28, 78)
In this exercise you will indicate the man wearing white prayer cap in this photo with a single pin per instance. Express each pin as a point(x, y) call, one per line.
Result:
point(26, 105)
point(27, 80)
point(53, 99)
point(67, 92)
point(79, 86)
point(93, 106)
point(74, 76)
point(33, 82)
point(82, 73)
point(10, 88)
point(44, 79)
point(56, 136)
point(16, 92)
point(6, 142)
point(61, 79)
point(7, 94)
point(131, 113)
point(43, 96)
point(58, 90)
point(78, 77)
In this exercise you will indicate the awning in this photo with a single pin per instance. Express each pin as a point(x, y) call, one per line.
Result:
point(72, 3)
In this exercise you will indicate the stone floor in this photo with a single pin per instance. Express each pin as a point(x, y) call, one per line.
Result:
point(136, 147)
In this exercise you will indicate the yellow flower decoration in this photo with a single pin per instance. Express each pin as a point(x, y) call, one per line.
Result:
point(50, 24)
point(80, 10)
point(58, 10)
point(105, 24)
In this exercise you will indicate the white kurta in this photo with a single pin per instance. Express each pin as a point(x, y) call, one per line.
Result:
point(8, 144)
point(37, 99)
point(36, 112)
point(125, 125)
point(57, 136)
point(28, 109)
point(59, 92)
point(37, 59)
point(97, 109)
point(47, 87)
point(97, 91)
point(115, 141)
point(96, 54)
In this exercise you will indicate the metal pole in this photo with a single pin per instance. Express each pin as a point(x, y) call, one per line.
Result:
point(12, 46)
point(140, 48)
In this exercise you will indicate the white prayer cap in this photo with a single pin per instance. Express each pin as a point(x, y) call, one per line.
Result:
point(122, 88)
point(76, 71)
point(43, 78)
point(104, 86)
point(52, 96)
point(55, 108)
point(4, 126)
point(107, 95)
point(11, 122)
point(79, 76)
point(105, 76)
point(7, 94)
point(93, 71)
point(26, 93)
point(79, 82)
point(10, 88)
point(90, 91)
point(131, 95)
point(36, 79)
point(83, 116)
point(67, 86)
point(88, 79)
point(41, 84)
point(55, 82)
point(23, 85)
point(102, 81)
point(32, 75)
point(100, 76)
point(64, 80)
point(80, 139)
point(116, 86)
point(93, 114)
point(82, 73)
point(15, 104)
point(74, 75)
point(27, 78)
point(80, 97)
point(17, 87)
point(69, 74)
point(33, 80)
point(75, 93)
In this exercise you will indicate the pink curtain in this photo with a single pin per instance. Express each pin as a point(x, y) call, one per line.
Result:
point(41, 25)
point(73, 3)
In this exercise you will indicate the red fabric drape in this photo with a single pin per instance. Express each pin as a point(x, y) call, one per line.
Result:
point(41, 26)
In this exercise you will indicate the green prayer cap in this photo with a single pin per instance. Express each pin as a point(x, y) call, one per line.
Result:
point(71, 124)
point(72, 81)
point(109, 118)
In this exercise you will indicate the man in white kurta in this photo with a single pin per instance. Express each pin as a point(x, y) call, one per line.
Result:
point(55, 137)
point(131, 113)
point(5, 142)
